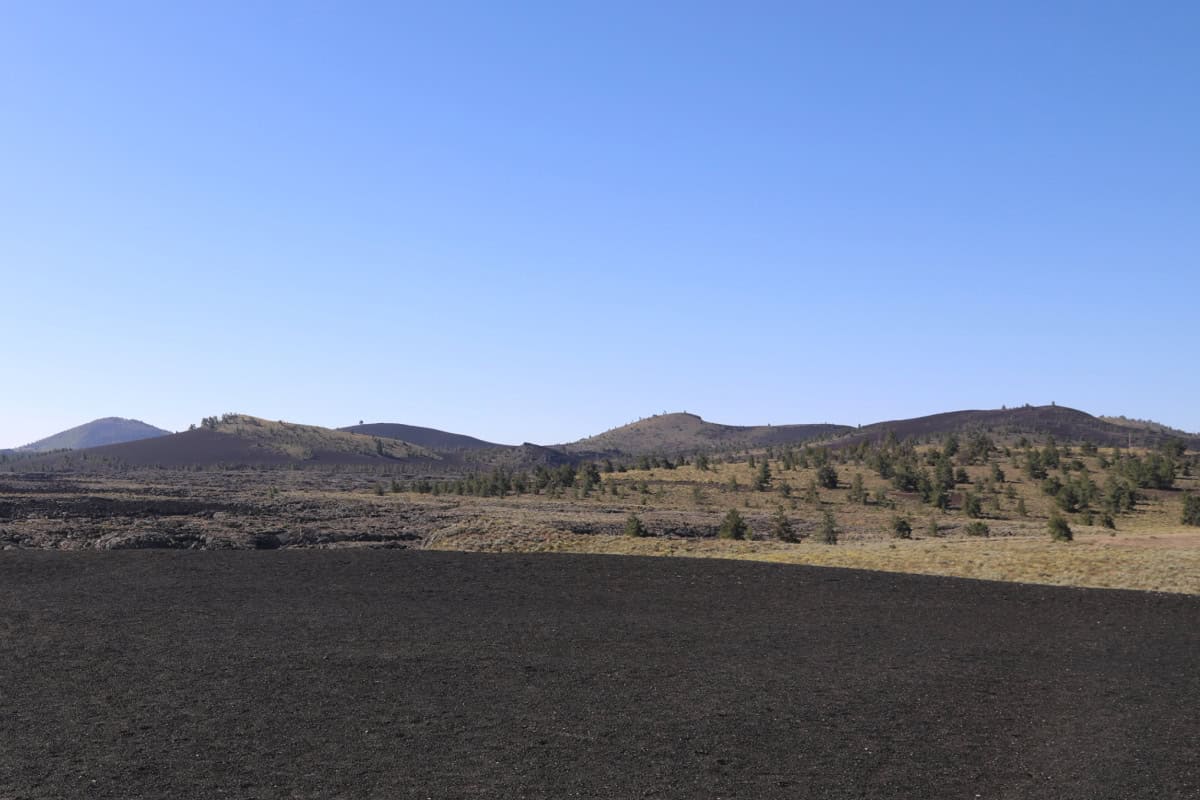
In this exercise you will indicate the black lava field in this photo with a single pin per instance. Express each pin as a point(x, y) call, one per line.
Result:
point(405, 674)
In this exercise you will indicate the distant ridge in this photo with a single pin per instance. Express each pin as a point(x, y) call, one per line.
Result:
point(108, 430)
point(240, 439)
point(681, 433)
point(1063, 423)
point(430, 438)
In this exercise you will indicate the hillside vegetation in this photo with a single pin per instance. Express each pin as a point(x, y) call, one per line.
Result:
point(680, 433)
point(1066, 424)
point(305, 442)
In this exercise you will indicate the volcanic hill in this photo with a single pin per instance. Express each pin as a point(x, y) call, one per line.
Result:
point(672, 434)
point(109, 430)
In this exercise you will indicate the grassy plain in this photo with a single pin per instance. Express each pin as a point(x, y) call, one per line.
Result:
point(1149, 549)
point(681, 508)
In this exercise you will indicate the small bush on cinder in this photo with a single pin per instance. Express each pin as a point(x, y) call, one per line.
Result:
point(1060, 531)
point(733, 526)
point(972, 506)
point(827, 477)
point(901, 528)
point(635, 528)
point(1191, 509)
point(781, 526)
point(829, 531)
point(976, 529)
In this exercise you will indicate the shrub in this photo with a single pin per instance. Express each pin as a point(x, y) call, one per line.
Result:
point(972, 506)
point(827, 477)
point(976, 529)
point(733, 526)
point(932, 528)
point(781, 526)
point(634, 527)
point(829, 531)
point(901, 528)
point(1191, 509)
point(1060, 531)
point(858, 492)
point(762, 480)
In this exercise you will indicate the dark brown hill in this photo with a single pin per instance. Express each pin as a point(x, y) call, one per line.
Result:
point(1064, 424)
point(429, 438)
point(520, 458)
point(109, 430)
point(672, 434)
point(241, 440)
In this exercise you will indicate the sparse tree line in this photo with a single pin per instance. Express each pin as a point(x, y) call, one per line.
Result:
point(938, 475)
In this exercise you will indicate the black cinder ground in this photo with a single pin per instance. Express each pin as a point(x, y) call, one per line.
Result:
point(347, 674)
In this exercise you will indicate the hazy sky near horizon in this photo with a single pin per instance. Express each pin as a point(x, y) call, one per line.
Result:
point(536, 221)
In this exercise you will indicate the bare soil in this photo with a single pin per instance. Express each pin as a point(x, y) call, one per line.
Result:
point(356, 673)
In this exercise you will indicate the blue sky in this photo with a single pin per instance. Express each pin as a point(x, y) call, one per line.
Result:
point(536, 221)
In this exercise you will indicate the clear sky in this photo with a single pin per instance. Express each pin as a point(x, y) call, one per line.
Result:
point(536, 221)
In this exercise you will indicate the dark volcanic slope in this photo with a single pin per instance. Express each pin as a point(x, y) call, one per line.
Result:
point(258, 443)
point(110, 430)
point(382, 674)
point(196, 447)
point(425, 437)
point(670, 434)
point(1066, 424)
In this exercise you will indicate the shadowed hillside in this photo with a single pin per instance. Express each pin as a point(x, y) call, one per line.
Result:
point(1065, 424)
point(669, 434)
point(109, 430)
point(239, 439)
point(429, 438)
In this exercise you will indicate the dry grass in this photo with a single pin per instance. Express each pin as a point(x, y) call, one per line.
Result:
point(1096, 561)
point(1149, 551)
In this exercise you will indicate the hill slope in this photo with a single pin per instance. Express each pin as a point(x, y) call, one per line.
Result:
point(109, 430)
point(429, 438)
point(671, 434)
point(239, 439)
point(1065, 424)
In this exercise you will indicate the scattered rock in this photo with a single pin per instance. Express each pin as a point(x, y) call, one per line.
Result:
point(142, 541)
point(264, 541)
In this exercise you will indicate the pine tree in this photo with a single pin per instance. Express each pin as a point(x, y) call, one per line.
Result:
point(781, 526)
point(634, 527)
point(827, 477)
point(733, 526)
point(1060, 531)
point(858, 493)
point(1191, 509)
point(972, 507)
point(829, 531)
point(762, 481)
